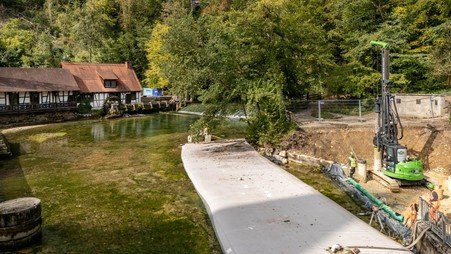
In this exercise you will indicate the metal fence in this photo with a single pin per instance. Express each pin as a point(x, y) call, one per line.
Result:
point(321, 110)
point(435, 219)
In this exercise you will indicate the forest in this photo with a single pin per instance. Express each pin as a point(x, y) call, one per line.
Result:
point(255, 53)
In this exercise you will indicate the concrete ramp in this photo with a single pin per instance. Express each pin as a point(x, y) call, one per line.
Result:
point(257, 207)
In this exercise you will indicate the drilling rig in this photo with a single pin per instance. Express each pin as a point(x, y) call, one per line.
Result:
point(394, 161)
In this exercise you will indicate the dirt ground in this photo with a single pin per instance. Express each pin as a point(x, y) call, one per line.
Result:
point(428, 139)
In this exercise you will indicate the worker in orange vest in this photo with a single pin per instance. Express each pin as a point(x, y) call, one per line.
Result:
point(435, 205)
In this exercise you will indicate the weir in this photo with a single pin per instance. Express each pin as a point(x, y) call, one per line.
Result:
point(257, 207)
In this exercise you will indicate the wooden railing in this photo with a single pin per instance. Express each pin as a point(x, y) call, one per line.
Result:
point(37, 108)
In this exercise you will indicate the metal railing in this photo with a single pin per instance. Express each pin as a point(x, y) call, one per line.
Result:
point(332, 109)
point(37, 108)
point(439, 223)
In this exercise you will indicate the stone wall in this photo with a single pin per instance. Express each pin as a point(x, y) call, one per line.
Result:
point(38, 118)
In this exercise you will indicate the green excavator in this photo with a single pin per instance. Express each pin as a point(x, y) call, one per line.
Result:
point(395, 162)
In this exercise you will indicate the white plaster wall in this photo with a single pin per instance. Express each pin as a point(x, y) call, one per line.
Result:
point(24, 98)
point(99, 98)
point(430, 106)
point(2, 99)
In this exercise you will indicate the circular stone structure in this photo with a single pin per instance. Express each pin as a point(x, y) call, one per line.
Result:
point(20, 222)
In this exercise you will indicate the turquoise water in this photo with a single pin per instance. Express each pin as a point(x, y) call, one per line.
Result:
point(112, 186)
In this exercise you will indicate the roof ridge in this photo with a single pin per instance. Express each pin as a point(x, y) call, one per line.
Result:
point(33, 68)
point(72, 63)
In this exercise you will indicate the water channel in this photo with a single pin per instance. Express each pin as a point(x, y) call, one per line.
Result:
point(119, 186)
point(114, 186)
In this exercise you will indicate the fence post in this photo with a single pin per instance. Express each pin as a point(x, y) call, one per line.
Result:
point(319, 110)
point(360, 110)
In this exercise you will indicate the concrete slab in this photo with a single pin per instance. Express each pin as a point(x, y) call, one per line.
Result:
point(257, 207)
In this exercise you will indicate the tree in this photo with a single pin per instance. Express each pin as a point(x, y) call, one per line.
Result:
point(441, 54)
point(156, 56)
point(16, 42)
point(255, 57)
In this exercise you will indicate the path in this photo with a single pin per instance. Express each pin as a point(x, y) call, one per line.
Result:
point(257, 207)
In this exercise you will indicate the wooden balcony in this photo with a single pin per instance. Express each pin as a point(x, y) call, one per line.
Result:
point(37, 108)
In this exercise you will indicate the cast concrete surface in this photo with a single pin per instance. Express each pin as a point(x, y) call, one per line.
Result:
point(257, 207)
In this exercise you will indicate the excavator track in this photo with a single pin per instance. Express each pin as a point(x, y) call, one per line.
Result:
point(403, 183)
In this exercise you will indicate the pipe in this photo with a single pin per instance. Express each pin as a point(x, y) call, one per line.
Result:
point(376, 201)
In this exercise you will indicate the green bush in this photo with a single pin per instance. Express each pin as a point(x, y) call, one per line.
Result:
point(84, 107)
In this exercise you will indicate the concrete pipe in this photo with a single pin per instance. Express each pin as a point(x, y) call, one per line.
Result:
point(20, 222)
point(361, 170)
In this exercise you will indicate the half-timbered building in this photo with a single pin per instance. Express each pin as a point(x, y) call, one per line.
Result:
point(28, 90)
point(100, 81)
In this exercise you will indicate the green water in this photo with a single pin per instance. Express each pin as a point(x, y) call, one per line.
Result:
point(114, 186)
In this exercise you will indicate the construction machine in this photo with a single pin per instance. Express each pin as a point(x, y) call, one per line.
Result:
point(394, 161)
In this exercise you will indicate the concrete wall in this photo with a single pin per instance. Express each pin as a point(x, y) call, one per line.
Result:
point(39, 118)
point(421, 105)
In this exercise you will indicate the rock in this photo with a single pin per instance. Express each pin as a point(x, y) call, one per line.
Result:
point(269, 151)
point(279, 159)
point(283, 154)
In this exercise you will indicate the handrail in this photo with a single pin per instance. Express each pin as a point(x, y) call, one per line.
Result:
point(440, 224)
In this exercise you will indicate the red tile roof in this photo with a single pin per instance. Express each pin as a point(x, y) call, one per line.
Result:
point(89, 77)
point(36, 80)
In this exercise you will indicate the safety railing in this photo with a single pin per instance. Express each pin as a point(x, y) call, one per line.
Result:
point(320, 110)
point(34, 108)
point(437, 220)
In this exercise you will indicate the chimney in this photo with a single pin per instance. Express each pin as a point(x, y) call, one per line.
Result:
point(128, 65)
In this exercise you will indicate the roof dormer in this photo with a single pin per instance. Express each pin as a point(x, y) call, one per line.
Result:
point(108, 78)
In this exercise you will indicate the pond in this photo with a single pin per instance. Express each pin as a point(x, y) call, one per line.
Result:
point(114, 186)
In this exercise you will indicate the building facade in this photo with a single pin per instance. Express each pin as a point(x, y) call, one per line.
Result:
point(28, 90)
point(97, 82)
point(421, 105)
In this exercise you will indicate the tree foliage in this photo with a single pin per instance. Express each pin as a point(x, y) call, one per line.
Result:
point(254, 53)
point(76, 30)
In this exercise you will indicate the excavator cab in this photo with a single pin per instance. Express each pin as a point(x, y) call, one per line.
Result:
point(397, 165)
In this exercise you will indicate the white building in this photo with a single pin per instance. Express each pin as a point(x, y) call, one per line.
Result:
point(421, 105)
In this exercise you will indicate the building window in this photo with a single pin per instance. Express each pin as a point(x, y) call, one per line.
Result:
point(110, 83)
point(398, 101)
point(13, 98)
point(418, 101)
point(436, 102)
point(34, 98)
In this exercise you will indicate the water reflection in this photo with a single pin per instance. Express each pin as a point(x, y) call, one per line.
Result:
point(98, 131)
point(139, 127)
